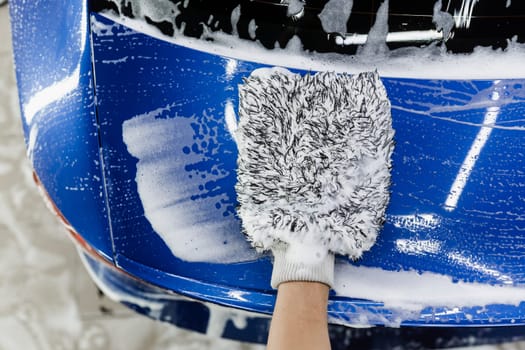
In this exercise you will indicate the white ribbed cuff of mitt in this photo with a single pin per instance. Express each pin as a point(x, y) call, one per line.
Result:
point(287, 268)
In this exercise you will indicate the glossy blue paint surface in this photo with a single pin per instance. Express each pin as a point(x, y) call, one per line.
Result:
point(54, 75)
point(477, 236)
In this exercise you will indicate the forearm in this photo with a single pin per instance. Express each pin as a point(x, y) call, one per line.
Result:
point(300, 317)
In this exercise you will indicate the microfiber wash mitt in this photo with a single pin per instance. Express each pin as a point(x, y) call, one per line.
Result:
point(314, 166)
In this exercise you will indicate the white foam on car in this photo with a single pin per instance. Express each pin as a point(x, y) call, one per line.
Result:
point(194, 229)
point(408, 293)
point(335, 14)
point(375, 46)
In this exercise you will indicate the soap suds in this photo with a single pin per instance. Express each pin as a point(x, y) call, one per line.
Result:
point(415, 222)
point(412, 291)
point(418, 247)
point(375, 47)
point(157, 11)
point(180, 188)
point(252, 28)
point(236, 14)
point(335, 14)
point(444, 21)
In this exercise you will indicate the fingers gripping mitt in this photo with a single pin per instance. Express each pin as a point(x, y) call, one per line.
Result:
point(313, 170)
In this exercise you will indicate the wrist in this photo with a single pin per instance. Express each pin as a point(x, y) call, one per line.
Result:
point(300, 263)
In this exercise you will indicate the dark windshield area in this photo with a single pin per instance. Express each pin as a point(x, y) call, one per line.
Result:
point(342, 26)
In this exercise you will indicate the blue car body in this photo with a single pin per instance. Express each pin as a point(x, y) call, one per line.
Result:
point(87, 77)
